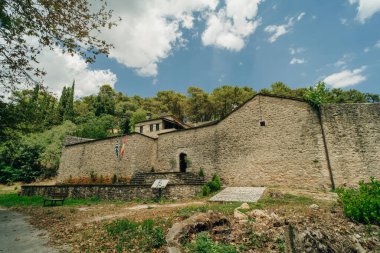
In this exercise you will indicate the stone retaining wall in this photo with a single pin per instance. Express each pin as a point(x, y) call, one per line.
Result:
point(353, 141)
point(113, 192)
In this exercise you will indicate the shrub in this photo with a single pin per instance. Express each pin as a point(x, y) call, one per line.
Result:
point(362, 204)
point(206, 190)
point(215, 184)
point(212, 186)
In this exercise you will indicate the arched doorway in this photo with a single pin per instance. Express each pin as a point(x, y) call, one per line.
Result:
point(182, 162)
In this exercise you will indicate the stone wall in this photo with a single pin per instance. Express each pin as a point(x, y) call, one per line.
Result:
point(99, 156)
point(199, 144)
point(113, 192)
point(69, 140)
point(353, 140)
point(287, 151)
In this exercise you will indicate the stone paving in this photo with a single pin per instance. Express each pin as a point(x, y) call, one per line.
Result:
point(239, 194)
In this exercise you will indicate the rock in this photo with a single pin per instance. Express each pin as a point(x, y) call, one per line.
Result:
point(239, 215)
point(314, 207)
point(257, 213)
point(193, 225)
point(174, 250)
point(244, 206)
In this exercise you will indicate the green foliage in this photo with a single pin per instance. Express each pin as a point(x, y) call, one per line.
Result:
point(94, 127)
point(362, 204)
point(226, 98)
point(212, 186)
point(201, 172)
point(317, 95)
point(206, 190)
point(136, 117)
point(203, 244)
point(65, 108)
point(32, 156)
point(105, 101)
point(137, 236)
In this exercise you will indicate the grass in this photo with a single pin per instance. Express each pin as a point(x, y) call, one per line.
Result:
point(229, 207)
point(137, 236)
point(286, 199)
point(13, 200)
point(204, 244)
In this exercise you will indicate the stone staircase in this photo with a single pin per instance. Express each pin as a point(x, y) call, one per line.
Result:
point(147, 178)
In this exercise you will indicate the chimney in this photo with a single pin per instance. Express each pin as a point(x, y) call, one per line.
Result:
point(148, 116)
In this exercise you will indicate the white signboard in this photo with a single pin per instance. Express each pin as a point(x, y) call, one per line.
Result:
point(160, 183)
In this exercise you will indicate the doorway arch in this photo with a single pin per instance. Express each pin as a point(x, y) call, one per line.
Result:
point(182, 162)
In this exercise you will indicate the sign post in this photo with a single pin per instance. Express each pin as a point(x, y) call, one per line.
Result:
point(160, 184)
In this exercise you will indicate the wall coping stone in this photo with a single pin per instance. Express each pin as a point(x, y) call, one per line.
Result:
point(103, 185)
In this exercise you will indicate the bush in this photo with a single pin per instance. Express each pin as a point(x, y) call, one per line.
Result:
point(206, 190)
point(363, 204)
point(215, 184)
point(212, 186)
point(203, 244)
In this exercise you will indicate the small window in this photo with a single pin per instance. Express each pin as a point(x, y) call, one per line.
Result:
point(141, 129)
point(157, 127)
point(151, 127)
point(262, 123)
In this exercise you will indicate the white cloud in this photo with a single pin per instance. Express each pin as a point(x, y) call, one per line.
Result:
point(366, 8)
point(346, 78)
point(344, 21)
point(150, 30)
point(377, 45)
point(279, 30)
point(298, 50)
point(342, 62)
point(301, 16)
point(233, 23)
point(366, 50)
point(62, 69)
point(297, 61)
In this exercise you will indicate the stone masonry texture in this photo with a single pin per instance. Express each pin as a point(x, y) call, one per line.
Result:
point(288, 151)
point(353, 140)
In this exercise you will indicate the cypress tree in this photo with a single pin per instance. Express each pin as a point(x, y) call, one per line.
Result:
point(69, 109)
point(62, 104)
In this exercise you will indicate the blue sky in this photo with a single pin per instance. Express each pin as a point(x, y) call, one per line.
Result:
point(171, 45)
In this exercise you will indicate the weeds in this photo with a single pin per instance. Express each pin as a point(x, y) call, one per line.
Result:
point(136, 236)
point(363, 204)
point(204, 244)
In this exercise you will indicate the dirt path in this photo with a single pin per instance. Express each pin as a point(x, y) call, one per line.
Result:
point(18, 236)
point(135, 210)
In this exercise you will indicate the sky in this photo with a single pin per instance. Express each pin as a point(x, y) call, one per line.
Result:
point(171, 45)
